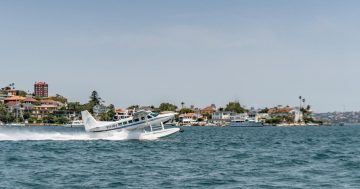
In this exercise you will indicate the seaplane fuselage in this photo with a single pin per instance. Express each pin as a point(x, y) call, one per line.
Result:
point(139, 121)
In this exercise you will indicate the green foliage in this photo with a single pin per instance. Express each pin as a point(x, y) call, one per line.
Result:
point(94, 101)
point(274, 121)
point(95, 98)
point(207, 115)
point(38, 98)
point(51, 119)
point(109, 114)
point(133, 107)
point(62, 120)
point(186, 110)
point(58, 98)
point(26, 115)
point(167, 107)
point(21, 93)
point(5, 115)
point(235, 107)
point(265, 110)
point(76, 107)
point(32, 120)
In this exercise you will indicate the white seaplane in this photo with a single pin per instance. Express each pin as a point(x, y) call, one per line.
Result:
point(142, 125)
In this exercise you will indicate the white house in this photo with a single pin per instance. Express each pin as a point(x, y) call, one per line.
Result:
point(222, 116)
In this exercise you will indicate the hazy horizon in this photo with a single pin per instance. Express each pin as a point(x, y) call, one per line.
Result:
point(261, 53)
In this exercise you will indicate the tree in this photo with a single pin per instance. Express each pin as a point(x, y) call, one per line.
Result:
point(5, 115)
point(49, 119)
point(186, 110)
point(265, 110)
point(62, 120)
point(109, 114)
point(133, 107)
point(95, 98)
point(111, 111)
point(207, 115)
point(167, 107)
point(182, 105)
point(21, 93)
point(58, 98)
point(94, 101)
point(26, 115)
point(235, 107)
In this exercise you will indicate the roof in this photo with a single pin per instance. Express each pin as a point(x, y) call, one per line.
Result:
point(12, 103)
point(209, 108)
point(48, 101)
point(45, 106)
point(29, 99)
point(14, 98)
point(40, 83)
point(281, 110)
point(187, 115)
point(120, 110)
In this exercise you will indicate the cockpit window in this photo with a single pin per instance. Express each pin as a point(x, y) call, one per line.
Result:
point(154, 114)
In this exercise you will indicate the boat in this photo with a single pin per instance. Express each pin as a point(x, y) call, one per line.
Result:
point(245, 123)
point(75, 123)
point(143, 125)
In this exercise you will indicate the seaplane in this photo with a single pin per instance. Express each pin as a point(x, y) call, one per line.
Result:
point(142, 125)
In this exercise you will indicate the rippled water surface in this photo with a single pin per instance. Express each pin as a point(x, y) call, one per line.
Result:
point(200, 157)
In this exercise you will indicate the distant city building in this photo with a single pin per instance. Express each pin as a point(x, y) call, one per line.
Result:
point(41, 89)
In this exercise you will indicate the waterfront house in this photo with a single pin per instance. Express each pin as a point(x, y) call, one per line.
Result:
point(43, 110)
point(3, 96)
point(14, 99)
point(189, 118)
point(222, 116)
point(209, 110)
point(122, 114)
point(29, 100)
point(242, 116)
point(51, 102)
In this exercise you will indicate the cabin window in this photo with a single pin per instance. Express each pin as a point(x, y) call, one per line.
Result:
point(142, 118)
point(130, 121)
point(136, 120)
point(149, 117)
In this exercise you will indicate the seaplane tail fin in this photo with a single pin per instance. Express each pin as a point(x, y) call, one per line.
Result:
point(89, 120)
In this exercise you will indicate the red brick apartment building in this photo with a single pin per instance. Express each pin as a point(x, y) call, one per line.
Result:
point(41, 89)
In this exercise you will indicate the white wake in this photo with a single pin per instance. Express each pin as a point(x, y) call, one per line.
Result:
point(19, 135)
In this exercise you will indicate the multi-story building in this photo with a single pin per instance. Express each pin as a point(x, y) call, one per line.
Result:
point(41, 89)
point(122, 114)
point(222, 116)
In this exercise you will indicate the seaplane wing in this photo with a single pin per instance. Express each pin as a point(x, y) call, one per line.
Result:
point(136, 123)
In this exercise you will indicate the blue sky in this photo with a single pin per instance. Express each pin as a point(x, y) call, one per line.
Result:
point(262, 53)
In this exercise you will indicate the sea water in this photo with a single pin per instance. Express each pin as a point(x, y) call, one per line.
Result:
point(199, 157)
